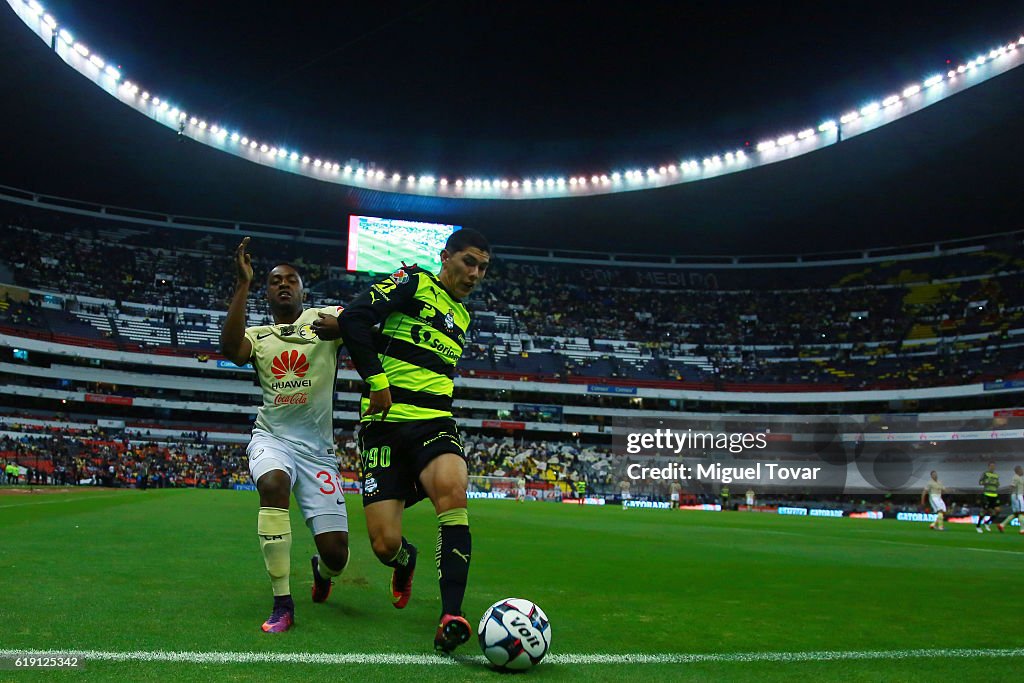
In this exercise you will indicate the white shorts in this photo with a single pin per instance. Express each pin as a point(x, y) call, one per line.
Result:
point(1017, 502)
point(521, 493)
point(938, 505)
point(627, 496)
point(674, 497)
point(316, 481)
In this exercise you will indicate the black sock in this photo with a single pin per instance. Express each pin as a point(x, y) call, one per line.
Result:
point(454, 544)
point(404, 560)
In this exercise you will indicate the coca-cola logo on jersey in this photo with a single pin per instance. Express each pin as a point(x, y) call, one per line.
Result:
point(291, 399)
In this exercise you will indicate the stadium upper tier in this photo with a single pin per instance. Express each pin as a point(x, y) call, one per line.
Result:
point(914, 320)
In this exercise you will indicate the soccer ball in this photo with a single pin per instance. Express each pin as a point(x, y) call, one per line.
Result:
point(514, 634)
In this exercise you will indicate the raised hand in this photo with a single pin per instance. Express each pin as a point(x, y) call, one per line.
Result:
point(243, 263)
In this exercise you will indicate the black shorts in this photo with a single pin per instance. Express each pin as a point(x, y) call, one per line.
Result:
point(988, 502)
point(394, 453)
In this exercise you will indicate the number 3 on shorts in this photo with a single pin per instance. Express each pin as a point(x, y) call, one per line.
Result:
point(326, 482)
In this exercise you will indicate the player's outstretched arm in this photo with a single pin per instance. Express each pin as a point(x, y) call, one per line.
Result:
point(233, 343)
point(357, 323)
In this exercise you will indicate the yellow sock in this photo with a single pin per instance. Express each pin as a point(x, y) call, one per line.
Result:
point(275, 529)
point(327, 572)
point(939, 518)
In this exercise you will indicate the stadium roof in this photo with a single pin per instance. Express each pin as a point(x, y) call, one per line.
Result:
point(513, 89)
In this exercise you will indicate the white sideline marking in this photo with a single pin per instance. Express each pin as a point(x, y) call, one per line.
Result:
point(438, 660)
point(55, 499)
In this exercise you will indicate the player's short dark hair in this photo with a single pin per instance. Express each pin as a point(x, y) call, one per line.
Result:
point(466, 238)
point(285, 263)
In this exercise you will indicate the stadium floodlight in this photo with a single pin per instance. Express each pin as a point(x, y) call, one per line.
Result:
point(294, 156)
point(305, 159)
point(651, 173)
point(458, 183)
point(202, 125)
point(869, 109)
point(550, 182)
point(560, 182)
point(786, 140)
point(282, 152)
point(891, 100)
point(933, 80)
point(97, 62)
point(81, 49)
point(66, 36)
point(960, 69)
point(234, 137)
point(35, 7)
point(252, 144)
point(264, 148)
point(826, 126)
point(396, 177)
point(515, 183)
point(114, 73)
point(145, 95)
point(573, 181)
point(616, 177)
point(318, 163)
point(594, 179)
point(411, 179)
point(272, 151)
point(379, 175)
point(182, 116)
point(805, 133)
point(50, 21)
point(504, 184)
point(765, 145)
point(911, 90)
point(444, 183)
point(336, 167)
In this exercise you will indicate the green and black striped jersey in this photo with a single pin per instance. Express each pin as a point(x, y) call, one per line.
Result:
point(414, 352)
point(990, 482)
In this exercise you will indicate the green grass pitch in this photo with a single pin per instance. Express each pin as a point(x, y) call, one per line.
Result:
point(162, 571)
point(384, 254)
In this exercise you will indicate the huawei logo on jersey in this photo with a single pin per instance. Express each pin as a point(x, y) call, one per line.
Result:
point(290, 362)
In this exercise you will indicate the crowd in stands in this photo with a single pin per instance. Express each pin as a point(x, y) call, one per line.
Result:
point(926, 322)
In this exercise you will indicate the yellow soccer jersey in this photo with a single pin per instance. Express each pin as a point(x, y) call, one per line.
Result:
point(296, 371)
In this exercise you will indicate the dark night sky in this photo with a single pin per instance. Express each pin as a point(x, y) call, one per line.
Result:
point(510, 88)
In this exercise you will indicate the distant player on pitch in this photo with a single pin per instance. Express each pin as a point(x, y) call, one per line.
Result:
point(292, 445)
point(989, 502)
point(674, 489)
point(521, 489)
point(934, 489)
point(408, 440)
point(1016, 499)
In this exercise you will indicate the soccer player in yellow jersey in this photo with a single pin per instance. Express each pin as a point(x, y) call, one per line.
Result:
point(1016, 499)
point(405, 335)
point(292, 445)
point(934, 489)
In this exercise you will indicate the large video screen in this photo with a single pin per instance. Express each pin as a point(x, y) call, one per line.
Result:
point(381, 245)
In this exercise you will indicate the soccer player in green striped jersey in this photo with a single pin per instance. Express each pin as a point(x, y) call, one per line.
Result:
point(989, 501)
point(409, 443)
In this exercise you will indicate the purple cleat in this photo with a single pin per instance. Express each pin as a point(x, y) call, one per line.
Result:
point(283, 616)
